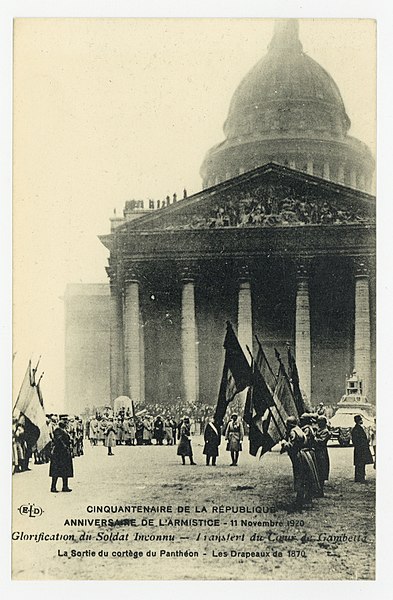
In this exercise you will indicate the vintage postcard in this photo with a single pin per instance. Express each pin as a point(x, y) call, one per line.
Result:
point(194, 311)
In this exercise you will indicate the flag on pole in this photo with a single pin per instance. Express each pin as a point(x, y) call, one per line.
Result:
point(29, 404)
point(236, 375)
point(253, 413)
point(274, 420)
point(294, 378)
point(258, 403)
point(265, 368)
point(283, 391)
point(262, 411)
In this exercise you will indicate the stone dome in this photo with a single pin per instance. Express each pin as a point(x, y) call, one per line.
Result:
point(288, 109)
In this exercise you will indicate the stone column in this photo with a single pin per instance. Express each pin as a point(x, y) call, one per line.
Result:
point(341, 174)
point(353, 178)
point(302, 328)
point(292, 164)
point(132, 345)
point(362, 345)
point(244, 312)
point(142, 355)
point(189, 337)
point(244, 326)
point(326, 170)
point(310, 166)
point(116, 342)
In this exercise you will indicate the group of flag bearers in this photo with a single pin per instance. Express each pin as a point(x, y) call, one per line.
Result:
point(275, 411)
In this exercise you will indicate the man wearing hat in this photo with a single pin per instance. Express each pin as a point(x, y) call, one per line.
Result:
point(322, 436)
point(61, 459)
point(361, 454)
point(234, 435)
point(184, 448)
point(212, 439)
point(110, 436)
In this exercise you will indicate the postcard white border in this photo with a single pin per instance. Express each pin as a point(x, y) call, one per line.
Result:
point(379, 10)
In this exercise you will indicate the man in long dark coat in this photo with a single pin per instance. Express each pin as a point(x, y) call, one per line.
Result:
point(158, 430)
point(212, 438)
point(184, 448)
point(61, 459)
point(361, 455)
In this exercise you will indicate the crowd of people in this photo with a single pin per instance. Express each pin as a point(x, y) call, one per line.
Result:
point(24, 438)
point(305, 443)
point(125, 429)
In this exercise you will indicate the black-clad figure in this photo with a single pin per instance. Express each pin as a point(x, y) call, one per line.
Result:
point(184, 448)
point(361, 455)
point(158, 430)
point(212, 437)
point(61, 459)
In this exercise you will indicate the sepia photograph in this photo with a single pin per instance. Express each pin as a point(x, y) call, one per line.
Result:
point(194, 299)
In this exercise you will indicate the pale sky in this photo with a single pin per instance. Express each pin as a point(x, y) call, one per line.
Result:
point(106, 110)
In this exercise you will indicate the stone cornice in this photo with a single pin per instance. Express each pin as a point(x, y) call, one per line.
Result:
point(347, 240)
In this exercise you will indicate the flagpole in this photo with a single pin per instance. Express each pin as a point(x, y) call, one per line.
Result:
point(34, 371)
point(264, 356)
point(274, 377)
point(278, 356)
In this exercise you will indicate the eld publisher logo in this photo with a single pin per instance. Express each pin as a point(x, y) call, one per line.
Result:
point(30, 510)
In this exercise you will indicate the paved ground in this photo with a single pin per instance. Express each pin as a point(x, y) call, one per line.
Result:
point(319, 543)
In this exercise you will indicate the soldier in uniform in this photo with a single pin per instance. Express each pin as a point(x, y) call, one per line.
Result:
point(322, 436)
point(184, 448)
point(110, 436)
point(93, 431)
point(234, 435)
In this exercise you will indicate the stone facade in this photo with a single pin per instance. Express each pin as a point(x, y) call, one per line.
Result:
point(89, 346)
point(293, 281)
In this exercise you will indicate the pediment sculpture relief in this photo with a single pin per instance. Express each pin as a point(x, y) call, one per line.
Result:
point(268, 208)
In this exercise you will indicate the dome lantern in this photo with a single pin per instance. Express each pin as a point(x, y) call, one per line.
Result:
point(286, 36)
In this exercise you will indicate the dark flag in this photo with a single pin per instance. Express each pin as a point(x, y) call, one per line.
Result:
point(284, 406)
point(236, 375)
point(284, 393)
point(266, 425)
point(265, 368)
point(257, 402)
point(294, 378)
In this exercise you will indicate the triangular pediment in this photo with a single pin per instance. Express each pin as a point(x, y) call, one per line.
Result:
point(270, 196)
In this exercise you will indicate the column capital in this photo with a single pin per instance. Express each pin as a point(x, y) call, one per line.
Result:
point(361, 266)
point(132, 273)
point(244, 271)
point(188, 272)
point(303, 267)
